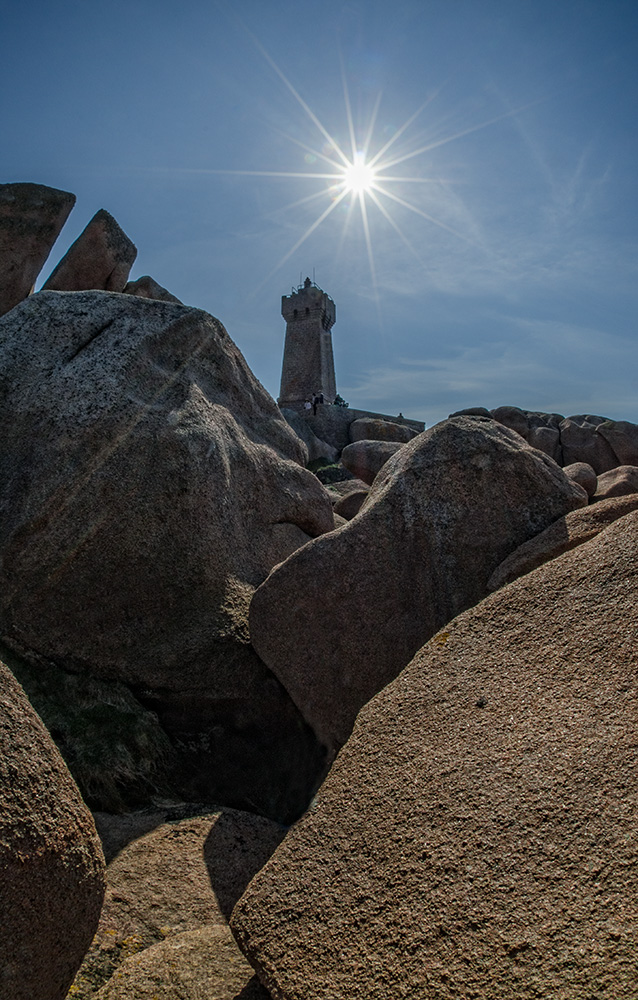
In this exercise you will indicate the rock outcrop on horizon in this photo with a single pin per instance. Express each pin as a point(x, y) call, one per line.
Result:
point(476, 835)
point(341, 617)
point(597, 441)
point(51, 863)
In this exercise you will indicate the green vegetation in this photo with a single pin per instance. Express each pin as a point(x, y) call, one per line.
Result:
point(329, 472)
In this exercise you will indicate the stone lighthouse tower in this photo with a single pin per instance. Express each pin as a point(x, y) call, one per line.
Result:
point(308, 366)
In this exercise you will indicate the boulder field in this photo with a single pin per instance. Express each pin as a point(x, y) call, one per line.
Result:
point(202, 625)
point(476, 836)
point(342, 616)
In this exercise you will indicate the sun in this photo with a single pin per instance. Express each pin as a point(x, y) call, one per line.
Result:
point(359, 176)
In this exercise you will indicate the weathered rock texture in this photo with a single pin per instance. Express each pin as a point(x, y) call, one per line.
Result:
point(350, 505)
point(566, 533)
point(597, 441)
point(31, 217)
point(341, 617)
point(174, 879)
point(369, 429)
point(476, 836)
point(147, 484)
point(364, 459)
point(584, 475)
point(147, 288)
point(51, 864)
point(100, 258)
point(202, 964)
point(617, 482)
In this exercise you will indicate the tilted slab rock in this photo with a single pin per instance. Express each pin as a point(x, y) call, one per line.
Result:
point(100, 258)
point(566, 533)
point(148, 484)
point(51, 864)
point(174, 879)
point(341, 617)
point(476, 837)
point(31, 217)
point(617, 482)
point(365, 459)
point(202, 964)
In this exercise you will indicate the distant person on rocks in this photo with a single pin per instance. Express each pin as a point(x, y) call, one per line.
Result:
point(307, 405)
point(315, 401)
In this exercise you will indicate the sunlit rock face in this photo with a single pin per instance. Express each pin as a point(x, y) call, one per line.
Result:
point(476, 835)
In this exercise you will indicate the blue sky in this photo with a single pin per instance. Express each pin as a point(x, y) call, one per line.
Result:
point(510, 279)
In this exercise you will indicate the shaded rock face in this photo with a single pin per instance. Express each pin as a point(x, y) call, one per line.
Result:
point(101, 257)
point(170, 881)
point(341, 617)
point(51, 864)
point(147, 484)
point(584, 475)
point(364, 459)
point(368, 429)
point(350, 505)
point(31, 217)
point(582, 443)
point(476, 835)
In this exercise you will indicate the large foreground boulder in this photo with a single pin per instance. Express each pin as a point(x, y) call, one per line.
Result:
point(148, 484)
point(476, 836)
point(51, 864)
point(341, 617)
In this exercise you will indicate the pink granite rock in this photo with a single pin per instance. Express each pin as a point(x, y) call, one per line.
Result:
point(342, 616)
point(476, 837)
point(51, 863)
point(100, 258)
point(617, 482)
point(364, 459)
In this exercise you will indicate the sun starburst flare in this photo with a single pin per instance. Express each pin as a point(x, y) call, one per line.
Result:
point(367, 180)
